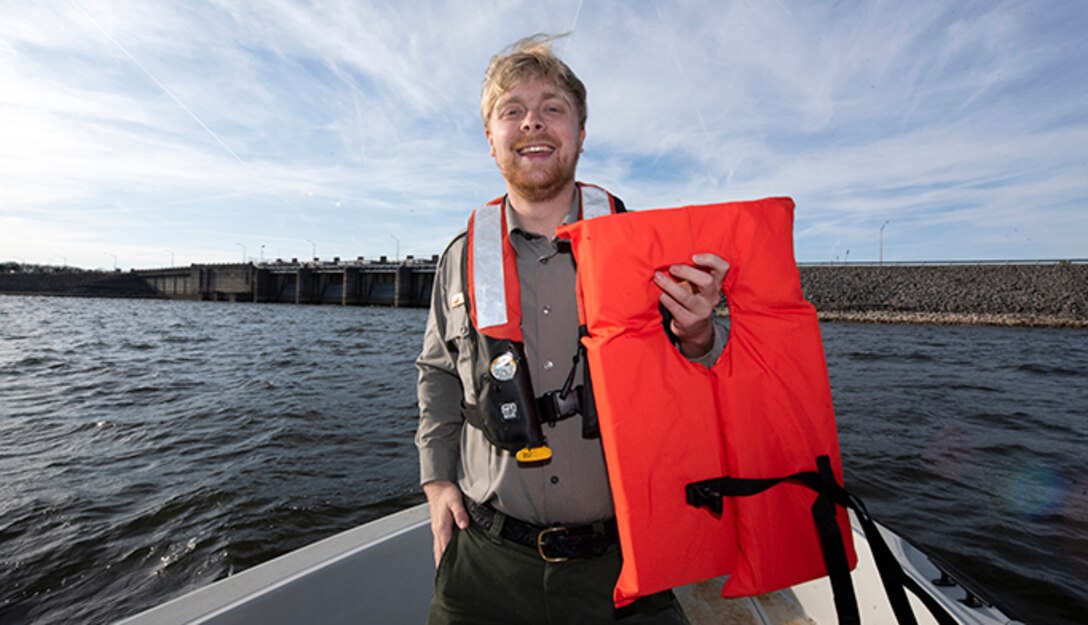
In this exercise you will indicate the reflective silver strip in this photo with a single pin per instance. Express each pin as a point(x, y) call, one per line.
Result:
point(488, 283)
point(595, 202)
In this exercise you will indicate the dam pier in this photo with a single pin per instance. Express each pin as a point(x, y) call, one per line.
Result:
point(403, 283)
point(361, 282)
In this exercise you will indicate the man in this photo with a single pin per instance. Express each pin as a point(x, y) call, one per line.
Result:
point(490, 516)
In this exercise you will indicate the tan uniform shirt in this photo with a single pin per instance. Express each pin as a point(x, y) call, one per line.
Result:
point(573, 487)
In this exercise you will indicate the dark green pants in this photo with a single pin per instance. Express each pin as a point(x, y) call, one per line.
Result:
point(485, 580)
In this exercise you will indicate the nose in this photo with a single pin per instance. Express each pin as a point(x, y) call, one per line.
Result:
point(532, 121)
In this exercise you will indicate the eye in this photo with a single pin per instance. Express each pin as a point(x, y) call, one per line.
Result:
point(510, 112)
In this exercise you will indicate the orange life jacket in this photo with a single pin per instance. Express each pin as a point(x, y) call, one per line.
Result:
point(762, 411)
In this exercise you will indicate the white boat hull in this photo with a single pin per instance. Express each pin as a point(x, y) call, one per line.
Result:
point(383, 573)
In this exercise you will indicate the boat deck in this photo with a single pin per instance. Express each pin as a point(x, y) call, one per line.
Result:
point(382, 572)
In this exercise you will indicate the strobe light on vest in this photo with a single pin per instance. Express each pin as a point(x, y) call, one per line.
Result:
point(506, 390)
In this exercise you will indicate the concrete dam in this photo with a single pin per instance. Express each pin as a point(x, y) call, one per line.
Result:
point(1039, 293)
point(355, 283)
point(405, 283)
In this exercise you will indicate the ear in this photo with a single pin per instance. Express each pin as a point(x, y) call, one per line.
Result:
point(491, 141)
point(582, 140)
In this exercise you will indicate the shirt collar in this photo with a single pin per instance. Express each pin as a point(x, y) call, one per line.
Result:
point(514, 226)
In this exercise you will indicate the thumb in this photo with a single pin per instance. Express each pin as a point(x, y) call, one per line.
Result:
point(460, 516)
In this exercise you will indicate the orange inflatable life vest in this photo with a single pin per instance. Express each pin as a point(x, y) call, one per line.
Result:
point(507, 409)
point(762, 411)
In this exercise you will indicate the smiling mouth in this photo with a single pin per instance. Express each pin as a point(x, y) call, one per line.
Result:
point(535, 149)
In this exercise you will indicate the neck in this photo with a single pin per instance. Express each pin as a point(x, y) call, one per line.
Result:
point(542, 216)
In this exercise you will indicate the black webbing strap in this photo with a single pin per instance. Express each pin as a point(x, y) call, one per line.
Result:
point(838, 568)
point(709, 494)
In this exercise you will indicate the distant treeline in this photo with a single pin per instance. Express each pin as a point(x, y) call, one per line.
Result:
point(73, 282)
point(14, 267)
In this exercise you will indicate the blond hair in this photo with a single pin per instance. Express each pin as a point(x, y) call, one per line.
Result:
point(531, 57)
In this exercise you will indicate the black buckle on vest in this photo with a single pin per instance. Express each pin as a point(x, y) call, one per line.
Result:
point(704, 495)
point(555, 405)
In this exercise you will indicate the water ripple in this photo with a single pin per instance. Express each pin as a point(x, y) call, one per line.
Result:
point(151, 447)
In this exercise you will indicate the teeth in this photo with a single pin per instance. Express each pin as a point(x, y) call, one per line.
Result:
point(535, 148)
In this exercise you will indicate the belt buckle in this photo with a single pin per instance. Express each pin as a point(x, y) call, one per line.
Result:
point(540, 544)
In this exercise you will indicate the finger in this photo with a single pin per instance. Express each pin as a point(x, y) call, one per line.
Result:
point(702, 280)
point(679, 292)
point(460, 515)
point(441, 540)
point(682, 316)
point(686, 306)
point(712, 266)
point(716, 264)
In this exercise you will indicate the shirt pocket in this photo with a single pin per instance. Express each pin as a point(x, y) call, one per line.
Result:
point(461, 340)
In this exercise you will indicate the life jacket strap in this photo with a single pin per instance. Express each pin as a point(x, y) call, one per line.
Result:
point(830, 493)
point(570, 400)
point(555, 406)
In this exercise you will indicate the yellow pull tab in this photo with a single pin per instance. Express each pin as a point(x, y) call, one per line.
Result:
point(534, 454)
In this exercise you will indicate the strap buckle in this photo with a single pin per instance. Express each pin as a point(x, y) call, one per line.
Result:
point(703, 495)
point(555, 406)
point(541, 538)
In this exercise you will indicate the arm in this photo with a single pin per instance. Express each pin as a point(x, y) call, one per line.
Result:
point(691, 302)
point(438, 436)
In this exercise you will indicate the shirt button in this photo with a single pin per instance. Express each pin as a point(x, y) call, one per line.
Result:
point(555, 479)
point(547, 310)
point(548, 365)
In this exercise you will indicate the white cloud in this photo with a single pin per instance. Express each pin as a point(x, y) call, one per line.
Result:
point(199, 127)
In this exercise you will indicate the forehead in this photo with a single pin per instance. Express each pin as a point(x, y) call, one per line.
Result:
point(532, 89)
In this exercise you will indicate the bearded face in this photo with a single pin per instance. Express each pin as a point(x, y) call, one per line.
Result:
point(535, 138)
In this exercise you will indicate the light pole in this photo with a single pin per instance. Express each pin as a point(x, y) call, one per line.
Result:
point(882, 241)
point(313, 248)
point(262, 252)
point(243, 252)
point(397, 257)
point(171, 255)
point(114, 260)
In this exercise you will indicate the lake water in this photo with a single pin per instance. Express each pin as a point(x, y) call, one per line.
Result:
point(148, 448)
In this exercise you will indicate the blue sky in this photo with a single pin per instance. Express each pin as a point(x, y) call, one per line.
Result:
point(155, 132)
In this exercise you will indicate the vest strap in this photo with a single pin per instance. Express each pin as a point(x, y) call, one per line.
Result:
point(595, 201)
point(709, 494)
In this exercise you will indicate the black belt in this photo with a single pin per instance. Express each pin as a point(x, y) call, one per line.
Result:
point(554, 544)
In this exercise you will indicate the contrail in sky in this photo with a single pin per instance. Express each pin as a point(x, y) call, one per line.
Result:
point(177, 101)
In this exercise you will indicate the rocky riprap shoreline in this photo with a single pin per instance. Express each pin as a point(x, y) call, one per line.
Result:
point(1042, 294)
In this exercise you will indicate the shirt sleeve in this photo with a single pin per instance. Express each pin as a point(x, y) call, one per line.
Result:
point(439, 390)
point(721, 335)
